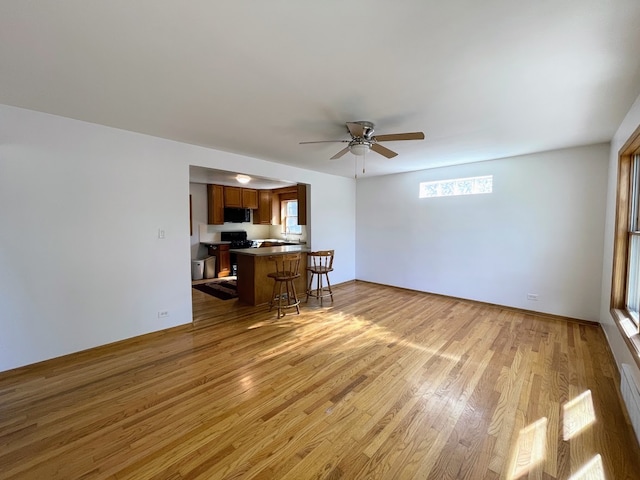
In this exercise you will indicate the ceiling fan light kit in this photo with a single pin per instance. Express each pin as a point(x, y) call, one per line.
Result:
point(363, 140)
point(359, 149)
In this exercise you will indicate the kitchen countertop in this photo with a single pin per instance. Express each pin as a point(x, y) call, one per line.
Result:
point(259, 241)
point(266, 251)
point(279, 241)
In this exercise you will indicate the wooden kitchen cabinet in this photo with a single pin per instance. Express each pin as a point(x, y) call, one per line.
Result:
point(238, 197)
point(223, 259)
point(233, 197)
point(215, 205)
point(302, 204)
point(262, 216)
point(250, 198)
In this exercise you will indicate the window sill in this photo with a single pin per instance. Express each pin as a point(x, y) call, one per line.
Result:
point(629, 332)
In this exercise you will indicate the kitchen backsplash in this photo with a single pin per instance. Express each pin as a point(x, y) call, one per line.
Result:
point(211, 233)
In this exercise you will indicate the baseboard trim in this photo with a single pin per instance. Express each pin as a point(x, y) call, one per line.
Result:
point(549, 316)
point(55, 362)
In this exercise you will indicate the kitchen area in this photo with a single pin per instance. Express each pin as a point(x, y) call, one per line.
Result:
point(234, 243)
point(235, 228)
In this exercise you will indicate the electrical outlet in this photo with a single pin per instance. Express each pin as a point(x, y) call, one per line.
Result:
point(532, 296)
point(161, 233)
point(163, 314)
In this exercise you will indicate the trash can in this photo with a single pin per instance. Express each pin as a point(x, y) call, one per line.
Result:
point(210, 267)
point(197, 269)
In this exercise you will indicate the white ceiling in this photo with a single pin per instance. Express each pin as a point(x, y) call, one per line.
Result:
point(483, 79)
point(222, 177)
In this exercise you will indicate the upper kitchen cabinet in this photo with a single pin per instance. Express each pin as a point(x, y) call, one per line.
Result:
point(302, 204)
point(262, 216)
point(238, 197)
point(215, 204)
point(249, 198)
point(233, 197)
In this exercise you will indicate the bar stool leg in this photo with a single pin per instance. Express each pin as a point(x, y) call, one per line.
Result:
point(292, 296)
point(309, 287)
point(280, 301)
point(273, 295)
point(320, 288)
point(329, 286)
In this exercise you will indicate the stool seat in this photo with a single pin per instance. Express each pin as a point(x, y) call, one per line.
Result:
point(287, 270)
point(321, 263)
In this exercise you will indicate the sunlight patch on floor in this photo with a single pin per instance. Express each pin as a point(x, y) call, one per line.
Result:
point(351, 323)
point(578, 415)
point(365, 332)
point(592, 470)
point(530, 449)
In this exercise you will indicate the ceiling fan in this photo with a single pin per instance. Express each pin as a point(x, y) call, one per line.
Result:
point(363, 140)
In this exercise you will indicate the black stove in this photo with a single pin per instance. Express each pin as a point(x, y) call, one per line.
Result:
point(238, 239)
point(242, 244)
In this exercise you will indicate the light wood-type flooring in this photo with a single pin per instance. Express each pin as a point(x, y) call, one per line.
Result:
point(382, 384)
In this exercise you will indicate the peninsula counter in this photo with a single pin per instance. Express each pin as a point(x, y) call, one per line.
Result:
point(254, 287)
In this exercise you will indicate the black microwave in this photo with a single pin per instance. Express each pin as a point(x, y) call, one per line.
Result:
point(237, 215)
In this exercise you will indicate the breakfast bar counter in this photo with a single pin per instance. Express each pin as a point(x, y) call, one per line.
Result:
point(254, 287)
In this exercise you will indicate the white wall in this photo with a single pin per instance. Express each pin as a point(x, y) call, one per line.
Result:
point(540, 231)
point(81, 264)
point(619, 348)
point(199, 204)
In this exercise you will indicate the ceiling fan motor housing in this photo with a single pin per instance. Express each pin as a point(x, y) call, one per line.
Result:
point(367, 129)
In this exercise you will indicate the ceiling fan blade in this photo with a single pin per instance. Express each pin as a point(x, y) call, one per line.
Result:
point(400, 136)
point(383, 150)
point(326, 141)
point(355, 129)
point(340, 153)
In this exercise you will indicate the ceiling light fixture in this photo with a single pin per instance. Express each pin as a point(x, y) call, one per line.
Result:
point(243, 178)
point(359, 149)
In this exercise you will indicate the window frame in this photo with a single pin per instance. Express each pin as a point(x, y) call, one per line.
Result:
point(423, 191)
point(621, 252)
point(284, 216)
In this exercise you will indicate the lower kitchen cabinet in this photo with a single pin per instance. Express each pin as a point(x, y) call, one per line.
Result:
point(223, 259)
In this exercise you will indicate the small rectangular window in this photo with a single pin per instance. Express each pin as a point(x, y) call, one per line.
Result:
point(290, 217)
point(457, 186)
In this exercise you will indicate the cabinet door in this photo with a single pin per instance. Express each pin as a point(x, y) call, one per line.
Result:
point(262, 215)
point(223, 261)
point(250, 198)
point(215, 204)
point(233, 197)
point(302, 204)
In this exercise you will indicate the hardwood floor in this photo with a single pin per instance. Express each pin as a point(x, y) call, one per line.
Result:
point(383, 384)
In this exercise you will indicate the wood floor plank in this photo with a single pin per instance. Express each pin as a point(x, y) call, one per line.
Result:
point(383, 383)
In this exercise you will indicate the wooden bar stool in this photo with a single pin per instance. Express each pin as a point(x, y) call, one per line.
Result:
point(287, 270)
point(321, 263)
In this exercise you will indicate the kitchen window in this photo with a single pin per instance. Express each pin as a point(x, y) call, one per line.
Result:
point(289, 217)
point(625, 284)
